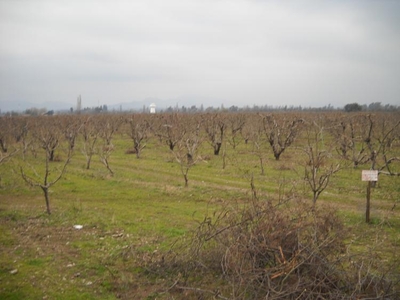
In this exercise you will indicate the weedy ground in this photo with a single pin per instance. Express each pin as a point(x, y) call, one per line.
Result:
point(133, 217)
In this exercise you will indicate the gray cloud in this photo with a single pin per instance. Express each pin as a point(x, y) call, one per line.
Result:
point(242, 52)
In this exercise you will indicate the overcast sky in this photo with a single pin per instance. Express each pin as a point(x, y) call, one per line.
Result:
point(234, 52)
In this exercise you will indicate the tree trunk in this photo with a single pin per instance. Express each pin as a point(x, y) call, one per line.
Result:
point(136, 146)
point(51, 155)
point(315, 197)
point(88, 160)
point(277, 155)
point(217, 148)
point(223, 159)
point(189, 159)
point(3, 146)
point(104, 160)
point(262, 166)
point(46, 197)
point(186, 180)
point(368, 206)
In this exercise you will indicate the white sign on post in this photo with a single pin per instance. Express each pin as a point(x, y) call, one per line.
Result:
point(369, 175)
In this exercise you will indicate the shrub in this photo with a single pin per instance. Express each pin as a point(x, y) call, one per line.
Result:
point(259, 250)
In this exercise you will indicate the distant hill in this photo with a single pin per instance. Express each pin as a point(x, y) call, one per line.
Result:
point(20, 106)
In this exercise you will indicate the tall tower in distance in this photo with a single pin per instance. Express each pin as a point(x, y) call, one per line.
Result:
point(79, 104)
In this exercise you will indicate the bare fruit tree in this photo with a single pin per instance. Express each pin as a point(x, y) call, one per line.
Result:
point(281, 131)
point(318, 165)
point(186, 150)
point(105, 152)
point(20, 129)
point(46, 136)
point(382, 134)
point(138, 131)
point(168, 129)
point(247, 131)
point(235, 122)
point(71, 125)
point(107, 125)
point(11, 149)
point(214, 125)
point(5, 133)
point(90, 134)
point(47, 133)
point(7, 130)
point(349, 134)
point(259, 142)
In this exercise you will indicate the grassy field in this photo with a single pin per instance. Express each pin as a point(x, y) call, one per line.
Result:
point(135, 215)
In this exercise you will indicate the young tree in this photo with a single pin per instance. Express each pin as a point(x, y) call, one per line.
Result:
point(281, 132)
point(71, 125)
point(382, 132)
point(168, 128)
point(8, 149)
point(105, 152)
point(349, 134)
point(108, 125)
point(45, 136)
point(186, 150)
point(318, 167)
point(138, 132)
point(214, 125)
point(248, 127)
point(380, 135)
point(19, 130)
point(90, 133)
point(5, 133)
point(47, 133)
point(259, 142)
point(363, 138)
point(235, 122)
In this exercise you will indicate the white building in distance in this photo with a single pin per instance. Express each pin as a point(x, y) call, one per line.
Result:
point(152, 108)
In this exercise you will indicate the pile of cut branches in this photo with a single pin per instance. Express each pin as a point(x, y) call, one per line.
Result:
point(262, 251)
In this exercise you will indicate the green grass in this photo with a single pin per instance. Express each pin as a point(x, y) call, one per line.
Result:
point(144, 208)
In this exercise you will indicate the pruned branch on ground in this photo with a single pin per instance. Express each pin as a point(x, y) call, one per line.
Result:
point(264, 251)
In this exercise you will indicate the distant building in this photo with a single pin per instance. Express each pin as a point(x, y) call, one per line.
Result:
point(152, 108)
